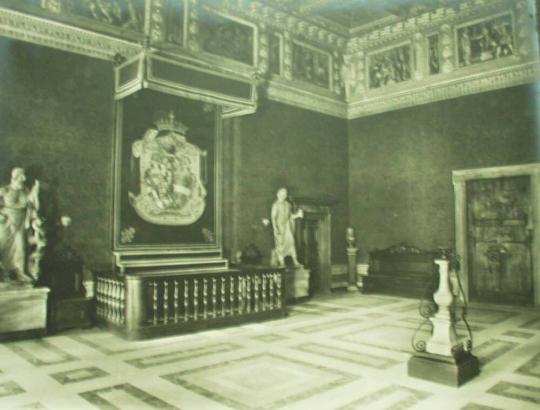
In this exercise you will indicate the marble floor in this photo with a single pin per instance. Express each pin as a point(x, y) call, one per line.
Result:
point(346, 351)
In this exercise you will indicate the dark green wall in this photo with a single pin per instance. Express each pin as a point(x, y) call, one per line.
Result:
point(401, 162)
point(283, 146)
point(56, 119)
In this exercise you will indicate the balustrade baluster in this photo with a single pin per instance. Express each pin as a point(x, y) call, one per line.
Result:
point(154, 302)
point(165, 301)
point(214, 297)
point(175, 301)
point(231, 295)
point(98, 297)
point(205, 298)
point(114, 301)
point(271, 295)
point(195, 299)
point(256, 293)
point(263, 292)
point(278, 286)
point(108, 299)
point(240, 295)
point(248, 294)
point(122, 303)
point(223, 285)
point(186, 300)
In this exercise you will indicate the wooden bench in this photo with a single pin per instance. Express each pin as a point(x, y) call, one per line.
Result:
point(401, 270)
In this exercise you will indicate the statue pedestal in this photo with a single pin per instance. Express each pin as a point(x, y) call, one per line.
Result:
point(449, 370)
point(23, 312)
point(351, 262)
point(445, 360)
point(296, 283)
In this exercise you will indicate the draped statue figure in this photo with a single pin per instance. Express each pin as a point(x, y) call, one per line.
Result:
point(21, 232)
point(283, 226)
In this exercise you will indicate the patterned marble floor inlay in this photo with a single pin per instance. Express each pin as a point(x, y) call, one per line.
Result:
point(349, 356)
point(183, 354)
point(385, 336)
point(531, 368)
point(280, 380)
point(340, 351)
point(517, 391)
point(124, 396)
point(269, 338)
point(9, 389)
point(489, 316)
point(40, 352)
point(78, 375)
point(476, 406)
point(492, 349)
point(518, 334)
point(321, 327)
point(391, 397)
point(532, 324)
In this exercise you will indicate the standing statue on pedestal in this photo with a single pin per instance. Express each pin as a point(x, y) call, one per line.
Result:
point(21, 232)
point(283, 225)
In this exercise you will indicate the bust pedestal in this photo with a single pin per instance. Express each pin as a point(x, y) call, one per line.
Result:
point(445, 361)
point(296, 283)
point(351, 262)
point(23, 312)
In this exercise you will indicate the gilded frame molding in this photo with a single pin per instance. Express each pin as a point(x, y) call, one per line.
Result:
point(119, 250)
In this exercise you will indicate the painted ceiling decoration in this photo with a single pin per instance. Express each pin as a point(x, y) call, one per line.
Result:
point(356, 16)
point(347, 58)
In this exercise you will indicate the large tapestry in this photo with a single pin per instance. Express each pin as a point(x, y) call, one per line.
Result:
point(166, 173)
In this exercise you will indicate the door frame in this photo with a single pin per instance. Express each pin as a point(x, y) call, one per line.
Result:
point(324, 216)
point(459, 180)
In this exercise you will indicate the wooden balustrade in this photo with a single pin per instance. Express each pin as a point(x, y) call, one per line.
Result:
point(148, 305)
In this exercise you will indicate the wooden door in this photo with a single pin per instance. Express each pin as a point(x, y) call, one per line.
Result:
point(500, 237)
point(309, 245)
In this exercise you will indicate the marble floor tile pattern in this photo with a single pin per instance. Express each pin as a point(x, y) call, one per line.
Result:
point(342, 351)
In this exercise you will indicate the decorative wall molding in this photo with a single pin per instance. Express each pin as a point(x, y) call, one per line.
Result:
point(348, 94)
point(48, 33)
point(446, 89)
point(290, 94)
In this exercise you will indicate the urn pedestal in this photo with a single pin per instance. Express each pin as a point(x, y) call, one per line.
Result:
point(296, 283)
point(23, 312)
point(445, 360)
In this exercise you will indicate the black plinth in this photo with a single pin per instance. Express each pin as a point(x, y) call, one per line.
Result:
point(452, 371)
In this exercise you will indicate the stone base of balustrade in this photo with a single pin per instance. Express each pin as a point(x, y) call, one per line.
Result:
point(449, 370)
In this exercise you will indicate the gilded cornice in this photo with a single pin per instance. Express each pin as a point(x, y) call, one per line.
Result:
point(52, 34)
point(426, 22)
point(458, 86)
point(288, 93)
point(348, 95)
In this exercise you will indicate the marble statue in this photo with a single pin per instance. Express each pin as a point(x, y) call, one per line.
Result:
point(21, 231)
point(283, 226)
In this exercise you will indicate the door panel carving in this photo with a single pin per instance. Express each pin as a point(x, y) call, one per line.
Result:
point(500, 233)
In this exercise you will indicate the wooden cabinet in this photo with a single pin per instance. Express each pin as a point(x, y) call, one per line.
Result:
point(401, 270)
